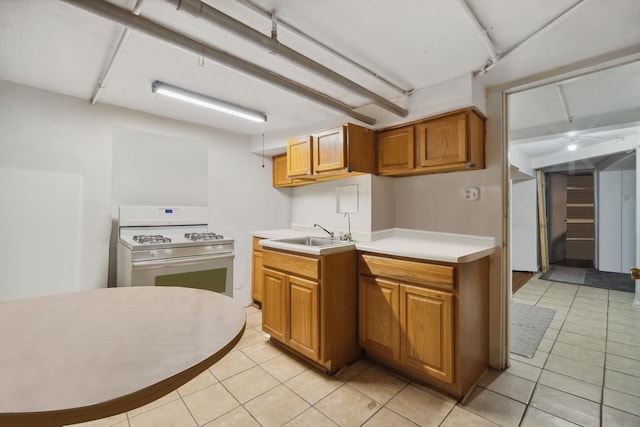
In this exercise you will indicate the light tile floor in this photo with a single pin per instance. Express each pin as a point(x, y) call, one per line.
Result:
point(586, 372)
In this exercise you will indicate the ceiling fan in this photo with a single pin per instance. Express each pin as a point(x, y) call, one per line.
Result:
point(573, 141)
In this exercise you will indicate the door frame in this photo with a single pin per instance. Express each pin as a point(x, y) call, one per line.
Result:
point(497, 106)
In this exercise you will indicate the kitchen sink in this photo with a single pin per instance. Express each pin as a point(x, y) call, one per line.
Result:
point(309, 244)
point(312, 241)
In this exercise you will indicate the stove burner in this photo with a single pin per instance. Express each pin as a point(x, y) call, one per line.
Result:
point(203, 236)
point(145, 238)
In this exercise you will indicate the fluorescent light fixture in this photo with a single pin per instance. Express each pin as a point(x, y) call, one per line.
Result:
point(207, 102)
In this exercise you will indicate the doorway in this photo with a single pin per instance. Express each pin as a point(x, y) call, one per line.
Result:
point(571, 218)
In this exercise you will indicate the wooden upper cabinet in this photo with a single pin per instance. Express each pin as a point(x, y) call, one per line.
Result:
point(446, 143)
point(344, 149)
point(329, 150)
point(299, 156)
point(279, 170)
point(442, 142)
point(396, 151)
point(330, 154)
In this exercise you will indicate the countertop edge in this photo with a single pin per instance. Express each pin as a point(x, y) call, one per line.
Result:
point(461, 259)
point(476, 246)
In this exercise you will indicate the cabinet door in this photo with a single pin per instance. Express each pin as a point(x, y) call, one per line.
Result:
point(279, 165)
point(379, 331)
point(274, 296)
point(329, 150)
point(299, 156)
point(396, 151)
point(256, 276)
point(426, 319)
point(443, 141)
point(303, 308)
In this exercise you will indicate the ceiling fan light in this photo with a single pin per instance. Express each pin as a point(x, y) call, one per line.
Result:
point(207, 102)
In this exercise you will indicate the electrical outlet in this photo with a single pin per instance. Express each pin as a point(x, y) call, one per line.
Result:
point(471, 194)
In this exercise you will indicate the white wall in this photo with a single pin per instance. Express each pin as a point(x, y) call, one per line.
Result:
point(436, 203)
point(316, 204)
point(46, 133)
point(524, 226)
point(383, 203)
point(616, 220)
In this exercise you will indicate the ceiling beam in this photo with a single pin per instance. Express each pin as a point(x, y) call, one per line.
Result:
point(202, 10)
point(152, 29)
point(102, 82)
point(270, 16)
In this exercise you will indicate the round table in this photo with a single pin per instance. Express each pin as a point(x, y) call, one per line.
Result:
point(80, 356)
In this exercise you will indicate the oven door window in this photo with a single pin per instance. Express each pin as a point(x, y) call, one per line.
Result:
point(211, 280)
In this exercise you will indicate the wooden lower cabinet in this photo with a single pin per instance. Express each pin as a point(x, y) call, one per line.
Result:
point(256, 271)
point(427, 320)
point(378, 312)
point(274, 303)
point(302, 311)
point(309, 304)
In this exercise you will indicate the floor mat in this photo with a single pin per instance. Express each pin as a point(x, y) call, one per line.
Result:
point(559, 273)
point(528, 325)
point(590, 277)
point(613, 281)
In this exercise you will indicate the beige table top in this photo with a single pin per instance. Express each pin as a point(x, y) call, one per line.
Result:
point(85, 355)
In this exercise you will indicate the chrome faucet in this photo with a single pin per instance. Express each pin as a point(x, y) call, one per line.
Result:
point(327, 231)
point(347, 236)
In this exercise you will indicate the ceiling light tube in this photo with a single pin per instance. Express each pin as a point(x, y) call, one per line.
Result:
point(207, 102)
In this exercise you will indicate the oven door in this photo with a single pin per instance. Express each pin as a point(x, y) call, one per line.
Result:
point(212, 272)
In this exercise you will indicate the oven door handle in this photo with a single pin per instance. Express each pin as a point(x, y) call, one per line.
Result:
point(141, 265)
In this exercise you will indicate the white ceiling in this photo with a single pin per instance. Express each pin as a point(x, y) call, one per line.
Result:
point(598, 112)
point(58, 47)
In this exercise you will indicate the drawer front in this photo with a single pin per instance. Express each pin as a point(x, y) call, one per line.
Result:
point(256, 243)
point(296, 264)
point(410, 271)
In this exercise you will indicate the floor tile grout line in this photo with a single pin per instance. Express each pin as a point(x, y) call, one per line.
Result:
point(547, 360)
point(384, 405)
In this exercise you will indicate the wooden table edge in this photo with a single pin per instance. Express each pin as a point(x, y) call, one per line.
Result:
point(120, 404)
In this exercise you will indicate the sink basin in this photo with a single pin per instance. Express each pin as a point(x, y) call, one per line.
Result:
point(314, 245)
point(312, 241)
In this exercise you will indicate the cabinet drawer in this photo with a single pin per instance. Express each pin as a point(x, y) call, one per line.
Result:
point(299, 265)
point(410, 271)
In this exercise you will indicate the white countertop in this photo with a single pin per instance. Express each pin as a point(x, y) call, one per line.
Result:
point(434, 246)
point(443, 247)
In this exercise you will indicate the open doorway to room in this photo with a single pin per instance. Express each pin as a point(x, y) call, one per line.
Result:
point(574, 142)
point(589, 218)
point(571, 218)
point(573, 156)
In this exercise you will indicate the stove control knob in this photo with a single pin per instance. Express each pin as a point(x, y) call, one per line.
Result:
point(209, 248)
point(167, 251)
point(153, 254)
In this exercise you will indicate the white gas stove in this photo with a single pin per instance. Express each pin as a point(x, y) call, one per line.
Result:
point(172, 246)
